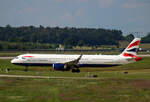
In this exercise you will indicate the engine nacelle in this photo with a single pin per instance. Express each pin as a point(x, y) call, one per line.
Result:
point(58, 66)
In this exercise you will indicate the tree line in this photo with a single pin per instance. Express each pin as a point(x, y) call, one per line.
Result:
point(29, 37)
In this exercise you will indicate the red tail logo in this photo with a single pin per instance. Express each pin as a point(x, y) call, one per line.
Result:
point(134, 44)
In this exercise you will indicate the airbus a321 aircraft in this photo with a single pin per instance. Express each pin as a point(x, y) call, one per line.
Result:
point(65, 62)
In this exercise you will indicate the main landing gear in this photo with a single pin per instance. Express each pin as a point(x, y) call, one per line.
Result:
point(26, 69)
point(76, 70)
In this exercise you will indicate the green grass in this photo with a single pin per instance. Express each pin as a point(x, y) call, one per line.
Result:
point(112, 84)
point(74, 90)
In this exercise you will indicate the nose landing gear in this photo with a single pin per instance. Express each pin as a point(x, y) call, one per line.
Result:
point(26, 69)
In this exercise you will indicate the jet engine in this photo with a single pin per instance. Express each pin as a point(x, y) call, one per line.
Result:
point(58, 66)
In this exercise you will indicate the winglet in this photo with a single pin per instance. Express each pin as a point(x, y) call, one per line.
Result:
point(79, 57)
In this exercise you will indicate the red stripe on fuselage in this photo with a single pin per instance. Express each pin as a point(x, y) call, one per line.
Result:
point(27, 56)
point(134, 44)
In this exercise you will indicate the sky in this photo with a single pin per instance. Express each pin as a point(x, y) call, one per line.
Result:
point(129, 16)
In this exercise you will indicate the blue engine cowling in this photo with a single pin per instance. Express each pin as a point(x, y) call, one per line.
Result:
point(58, 66)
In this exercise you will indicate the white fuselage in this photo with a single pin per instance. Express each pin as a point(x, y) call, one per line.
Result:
point(86, 60)
point(63, 61)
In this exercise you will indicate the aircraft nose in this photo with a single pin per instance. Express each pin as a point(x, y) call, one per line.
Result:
point(12, 61)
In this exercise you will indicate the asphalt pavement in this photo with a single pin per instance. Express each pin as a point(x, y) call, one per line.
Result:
point(46, 77)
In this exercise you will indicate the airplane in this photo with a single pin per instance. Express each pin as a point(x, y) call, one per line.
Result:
point(65, 62)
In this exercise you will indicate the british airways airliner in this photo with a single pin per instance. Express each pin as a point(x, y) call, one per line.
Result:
point(66, 62)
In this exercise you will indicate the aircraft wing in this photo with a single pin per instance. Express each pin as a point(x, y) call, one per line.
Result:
point(73, 63)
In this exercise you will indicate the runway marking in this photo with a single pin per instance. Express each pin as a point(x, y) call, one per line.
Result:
point(7, 57)
point(46, 77)
point(144, 55)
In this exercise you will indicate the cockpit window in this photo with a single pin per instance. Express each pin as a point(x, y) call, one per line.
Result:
point(17, 58)
point(23, 58)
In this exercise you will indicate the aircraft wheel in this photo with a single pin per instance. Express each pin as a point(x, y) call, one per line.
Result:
point(25, 70)
point(78, 70)
point(73, 70)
